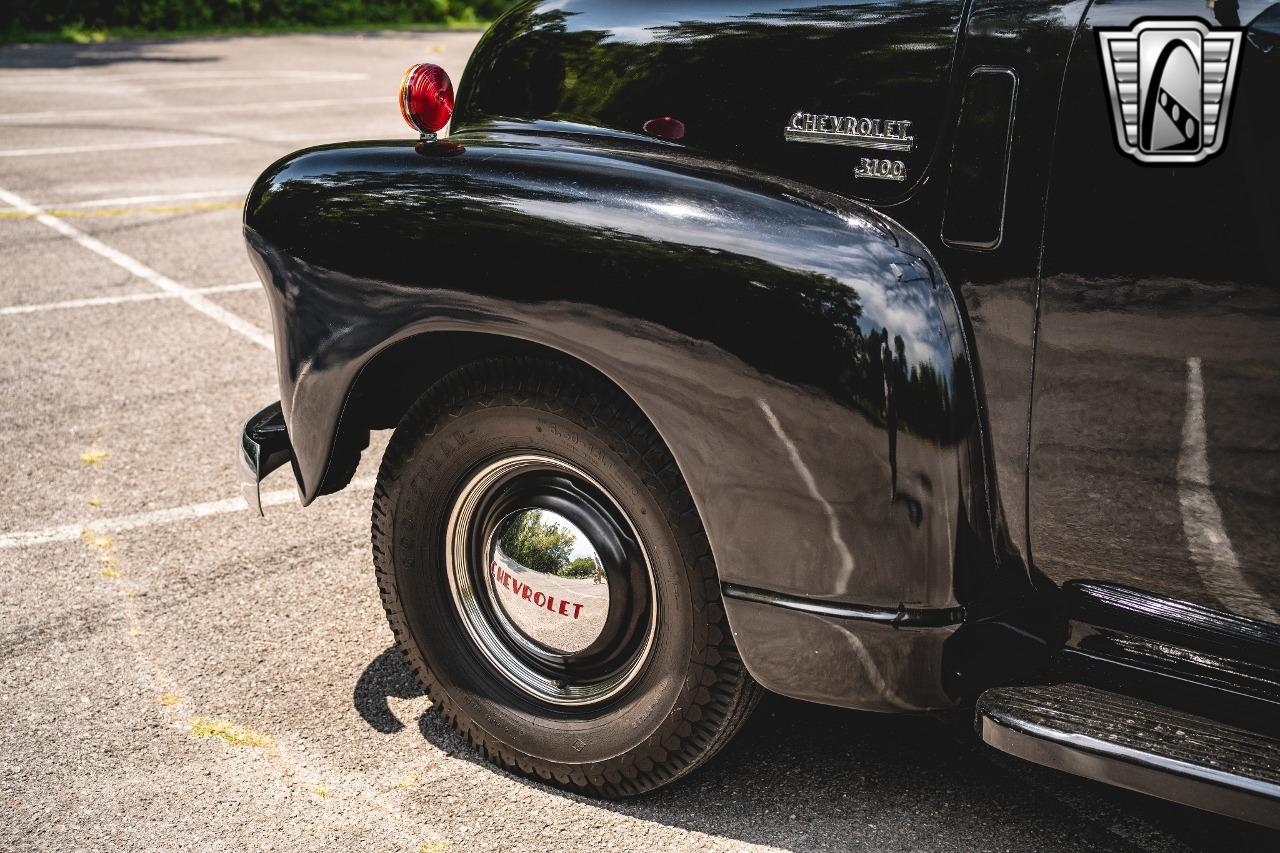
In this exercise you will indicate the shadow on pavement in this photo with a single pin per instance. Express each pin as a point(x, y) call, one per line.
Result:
point(385, 677)
point(36, 56)
point(809, 777)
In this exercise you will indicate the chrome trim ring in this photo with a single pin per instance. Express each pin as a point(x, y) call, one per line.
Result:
point(540, 669)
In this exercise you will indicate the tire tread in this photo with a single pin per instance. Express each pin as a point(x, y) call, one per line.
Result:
point(727, 694)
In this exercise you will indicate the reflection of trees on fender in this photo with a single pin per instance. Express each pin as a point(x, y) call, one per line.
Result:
point(545, 546)
point(801, 326)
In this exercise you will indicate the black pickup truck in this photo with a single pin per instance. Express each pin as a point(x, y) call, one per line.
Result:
point(903, 356)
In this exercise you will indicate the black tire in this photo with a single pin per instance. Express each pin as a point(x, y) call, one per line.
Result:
point(692, 693)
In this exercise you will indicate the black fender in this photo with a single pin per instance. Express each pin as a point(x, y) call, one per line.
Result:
point(803, 357)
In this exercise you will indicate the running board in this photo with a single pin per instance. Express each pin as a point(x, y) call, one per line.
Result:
point(1137, 745)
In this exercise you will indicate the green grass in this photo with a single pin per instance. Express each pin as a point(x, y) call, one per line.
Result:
point(75, 34)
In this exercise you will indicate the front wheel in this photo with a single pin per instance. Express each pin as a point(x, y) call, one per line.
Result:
point(548, 580)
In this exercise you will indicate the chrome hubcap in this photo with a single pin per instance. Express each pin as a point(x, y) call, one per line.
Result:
point(547, 580)
point(550, 579)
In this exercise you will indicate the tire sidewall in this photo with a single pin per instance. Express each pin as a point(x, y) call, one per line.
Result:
point(438, 461)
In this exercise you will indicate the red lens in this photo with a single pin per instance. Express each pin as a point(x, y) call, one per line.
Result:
point(665, 128)
point(426, 97)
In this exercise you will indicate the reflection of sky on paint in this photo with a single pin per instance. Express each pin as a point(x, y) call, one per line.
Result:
point(894, 295)
point(1131, 10)
point(627, 21)
point(869, 267)
point(640, 23)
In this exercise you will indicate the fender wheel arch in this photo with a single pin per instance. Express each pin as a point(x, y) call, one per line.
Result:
point(715, 693)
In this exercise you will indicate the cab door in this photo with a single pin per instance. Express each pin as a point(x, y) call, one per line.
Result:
point(1155, 438)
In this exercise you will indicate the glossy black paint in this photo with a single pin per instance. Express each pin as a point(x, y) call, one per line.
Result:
point(264, 447)
point(1180, 654)
point(848, 395)
point(600, 65)
point(732, 72)
point(1155, 454)
point(973, 217)
point(750, 317)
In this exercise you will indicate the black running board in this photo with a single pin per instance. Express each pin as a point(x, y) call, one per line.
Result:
point(1137, 745)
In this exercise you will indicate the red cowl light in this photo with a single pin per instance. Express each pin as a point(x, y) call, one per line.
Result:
point(665, 128)
point(426, 97)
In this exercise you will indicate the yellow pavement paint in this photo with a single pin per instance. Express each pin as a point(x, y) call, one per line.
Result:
point(229, 732)
point(107, 555)
point(97, 540)
point(68, 213)
point(93, 456)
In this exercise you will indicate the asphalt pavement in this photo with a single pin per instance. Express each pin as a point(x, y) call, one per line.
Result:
point(176, 674)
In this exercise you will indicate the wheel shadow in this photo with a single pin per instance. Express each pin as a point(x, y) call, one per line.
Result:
point(385, 677)
point(809, 777)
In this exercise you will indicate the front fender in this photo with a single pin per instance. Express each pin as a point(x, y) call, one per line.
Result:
point(802, 356)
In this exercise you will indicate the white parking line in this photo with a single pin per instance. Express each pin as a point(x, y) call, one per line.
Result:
point(174, 79)
point(61, 116)
point(117, 146)
point(1207, 539)
point(122, 201)
point(171, 515)
point(252, 80)
point(94, 301)
point(142, 271)
point(177, 142)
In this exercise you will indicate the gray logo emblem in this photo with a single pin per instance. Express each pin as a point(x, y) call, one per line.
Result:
point(1170, 84)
